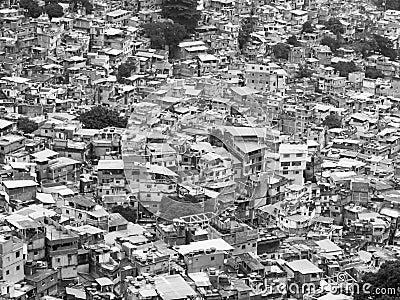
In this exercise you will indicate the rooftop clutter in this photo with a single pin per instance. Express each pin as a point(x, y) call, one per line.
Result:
point(228, 149)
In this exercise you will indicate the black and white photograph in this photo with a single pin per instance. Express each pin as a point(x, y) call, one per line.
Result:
point(199, 150)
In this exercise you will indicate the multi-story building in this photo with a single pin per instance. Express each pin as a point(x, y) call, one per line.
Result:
point(265, 78)
point(60, 169)
point(162, 154)
point(7, 127)
point(10, 143)
point(214, 167)
point(120, 43)
point(84, 210)
point(154, 258)
point(155, 183)
point(172, 234)
point(371, 226)
point(118, 17)
point(62, 250)
point(12, 259)
point(302, 272)
point(245, 143)
point(96, 37)
point(32, 233)
point(192, 49)
point(111, 178)
point(20, 189)
point(71, 149)
point(292, 159)
point(201, 255)
point(323, 54)
point(43, 279)
point(102, 264)
point(277, 81)
point(107, 141)
point(257, 76)
point(298, 17)
point(297, 55)
point(208, 64)
point(48, 37)
point(240, 236)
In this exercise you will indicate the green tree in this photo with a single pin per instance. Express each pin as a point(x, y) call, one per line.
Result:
point(333, 44)
point(304, 72)
point(373, 73)
point(33, 9)
point(281, 51)
point(183, 12)
point(155, 31)
point(335, 26)
point(384, 46)
point(344, 68)
point(363, 47)
point(125, 69)
point(129, 213)
point(387, 277)
point(74, 4)
point(390, 4)
point(307, 27)
point(54, 10)
point(100, 117)
point(174, 34)
point(26, 125)
point(375, 44)
point(292, 40)
point(247, 27)
point(333, 121)
point(164, 34)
